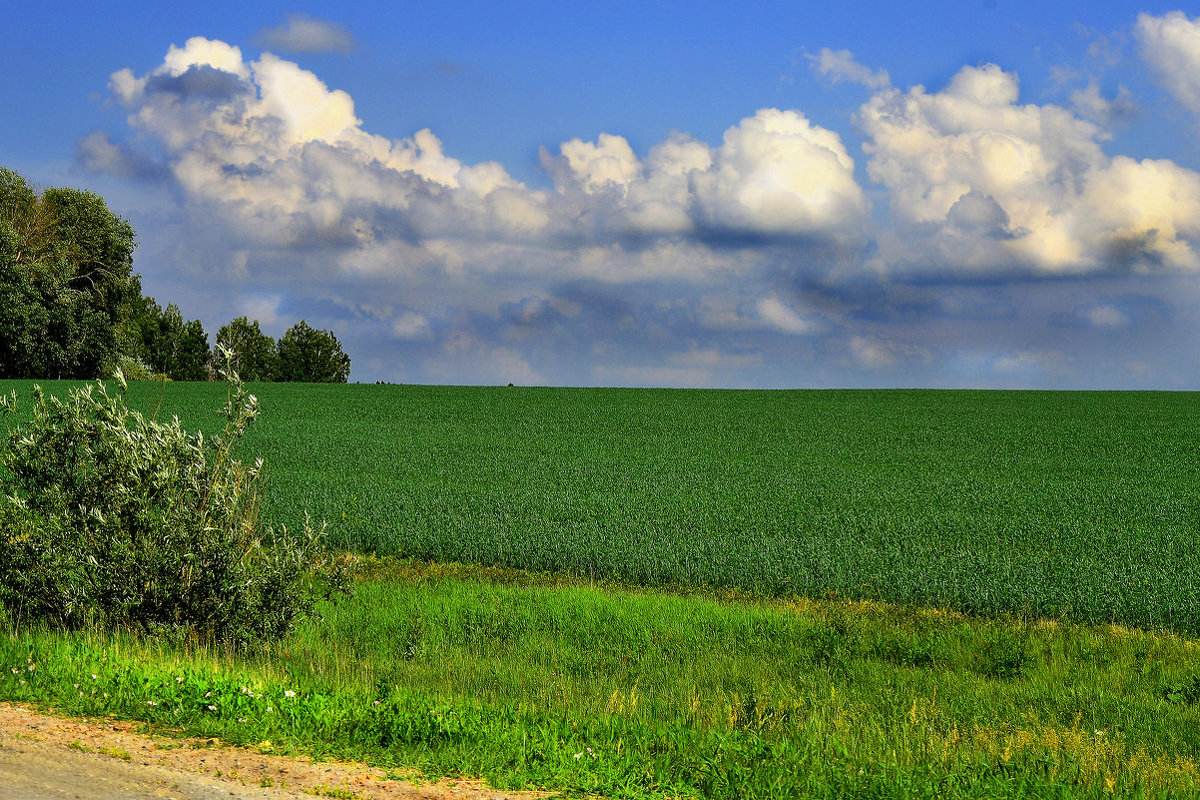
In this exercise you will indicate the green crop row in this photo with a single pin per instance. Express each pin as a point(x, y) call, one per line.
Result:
point(1076, 504)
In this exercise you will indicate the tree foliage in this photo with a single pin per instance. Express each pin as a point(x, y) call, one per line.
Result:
point(67, 286)
point(168, 345)
point(252, 351)
point(71, 305)
point(311, 355)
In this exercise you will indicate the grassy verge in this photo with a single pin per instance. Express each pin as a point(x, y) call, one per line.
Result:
point(538, 681)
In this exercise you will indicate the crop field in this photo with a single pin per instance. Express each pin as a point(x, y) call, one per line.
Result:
point(1075, 504)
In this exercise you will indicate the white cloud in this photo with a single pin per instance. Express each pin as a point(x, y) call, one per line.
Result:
point(871, 352)
point(839, 65)
point(776, 314)
point(265, 309)
point(996, 185)
point(303, 34)
point(1088, 102)
point(664, 267)
point(776, 172)
point(412, 326)
point(1170, 44)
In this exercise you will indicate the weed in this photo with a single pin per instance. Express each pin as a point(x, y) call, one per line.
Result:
point(116, 751)
point(1186, 692)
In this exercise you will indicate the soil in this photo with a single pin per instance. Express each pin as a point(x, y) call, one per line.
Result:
point(45, 757)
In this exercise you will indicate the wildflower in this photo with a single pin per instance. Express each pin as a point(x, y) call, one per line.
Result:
point(179, 680)
point(95, 677)
point(578, 756)
point(151, 703)
point(376, 702)
point(207, 694)
point(289, 693)
point(270, 709)
point(212, 708)
point(32, 667)
point(242, 719)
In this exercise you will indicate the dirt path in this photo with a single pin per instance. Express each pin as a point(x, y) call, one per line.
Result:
point(44, 757)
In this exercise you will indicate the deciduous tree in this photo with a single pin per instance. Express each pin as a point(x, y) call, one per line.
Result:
point(312, 355)
point(252, 352)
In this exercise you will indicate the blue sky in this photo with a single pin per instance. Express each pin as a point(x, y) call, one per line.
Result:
point(991, 193)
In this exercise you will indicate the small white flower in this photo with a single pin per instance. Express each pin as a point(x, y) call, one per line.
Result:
point(95, 677)
point(289, 693)
point(212, 708)
point(151, 703)
point(578, 756)
point(179, 680)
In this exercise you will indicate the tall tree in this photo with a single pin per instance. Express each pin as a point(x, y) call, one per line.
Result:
point(253, 352)
point(66, 276)
point(312, 355)
point(167, 344)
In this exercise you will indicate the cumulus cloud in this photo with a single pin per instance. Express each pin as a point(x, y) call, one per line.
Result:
point(753, 259)
point(774, 174)
point(303, 34)
point(997, 186)
point(287, 161)
point(1090, 103)
point(1170, 44)
point(839, 65)
point(96, 152)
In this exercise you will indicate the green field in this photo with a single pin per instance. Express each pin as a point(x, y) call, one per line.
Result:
point(1077, 504)
point(723, 594)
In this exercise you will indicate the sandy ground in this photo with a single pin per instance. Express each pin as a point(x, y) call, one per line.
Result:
point(44, 757)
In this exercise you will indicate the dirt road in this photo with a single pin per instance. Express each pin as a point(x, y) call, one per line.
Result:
point(44, 757)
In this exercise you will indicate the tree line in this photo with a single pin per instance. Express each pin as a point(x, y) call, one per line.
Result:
point(71, 305)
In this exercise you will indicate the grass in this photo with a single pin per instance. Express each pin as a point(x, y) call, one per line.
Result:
point(649, 694)
point(644, 593)
point(1049, 503)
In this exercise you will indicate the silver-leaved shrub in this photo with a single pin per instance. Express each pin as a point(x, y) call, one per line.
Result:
point(111, 519)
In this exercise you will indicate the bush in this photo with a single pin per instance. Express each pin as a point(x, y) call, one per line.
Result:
point(110, 519)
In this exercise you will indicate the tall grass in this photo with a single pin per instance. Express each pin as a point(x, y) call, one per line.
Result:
point(642, 694)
